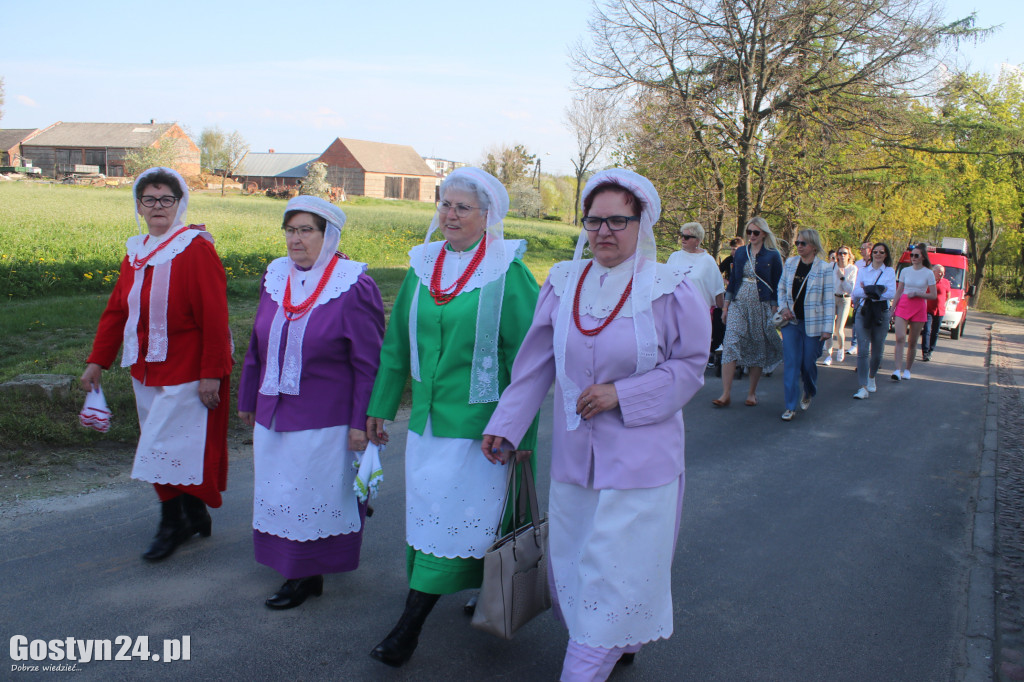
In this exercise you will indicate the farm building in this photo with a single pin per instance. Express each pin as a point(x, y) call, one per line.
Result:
point(63, 146)
point(273, 170)
point(379, 169)
point(10, 145)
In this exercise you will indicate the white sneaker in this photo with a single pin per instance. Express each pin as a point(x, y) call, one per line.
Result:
point(841, 355)
point(787, 416)
point(805, 402)
point(906, 375)
point(872, 387)
point(861, 394)
point(828, 360)
point(853, 350)
point(895, 376)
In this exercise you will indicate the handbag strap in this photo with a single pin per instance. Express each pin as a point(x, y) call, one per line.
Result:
point(521, 503)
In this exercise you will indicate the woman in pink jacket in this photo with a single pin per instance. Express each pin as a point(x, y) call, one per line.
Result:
point(626, 341)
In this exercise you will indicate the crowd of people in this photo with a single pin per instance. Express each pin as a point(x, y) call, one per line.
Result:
point(624, 339)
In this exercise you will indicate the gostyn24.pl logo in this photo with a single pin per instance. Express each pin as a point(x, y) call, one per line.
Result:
point(67, 653)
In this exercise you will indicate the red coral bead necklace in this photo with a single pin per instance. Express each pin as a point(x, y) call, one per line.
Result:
point(295, 312)
point(608, 320)
point(444, 295)
point(139, 263)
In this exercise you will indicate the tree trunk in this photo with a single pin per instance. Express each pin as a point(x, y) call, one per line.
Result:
point(223, 178)
point(743, 192)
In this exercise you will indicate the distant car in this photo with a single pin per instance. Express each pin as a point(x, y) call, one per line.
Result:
point(952, 255)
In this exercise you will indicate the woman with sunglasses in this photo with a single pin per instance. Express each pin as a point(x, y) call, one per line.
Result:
point(625, 340)
point(173, 323)
point(807, 304)
point(751, 299)
point(915, 288)
point(875, 288)
point(455, 328)
point(844, 278)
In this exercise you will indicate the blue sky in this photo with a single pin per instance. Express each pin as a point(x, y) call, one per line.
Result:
point(449, 78)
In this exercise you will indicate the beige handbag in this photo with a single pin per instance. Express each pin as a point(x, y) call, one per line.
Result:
point(515, 586)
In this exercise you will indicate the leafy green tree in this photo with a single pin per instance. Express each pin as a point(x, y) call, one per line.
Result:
point(164, 153)
point(509, 164)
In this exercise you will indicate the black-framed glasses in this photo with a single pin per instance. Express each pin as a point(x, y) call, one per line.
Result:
point(915, 255)
point(687, 237)
point(615, 222)
point(799, 243)
point(461, 210)
point(165, 201)
point(754, 233)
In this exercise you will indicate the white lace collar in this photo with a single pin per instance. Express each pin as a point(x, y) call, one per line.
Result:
point(423, 256)
point(345, 274)
point(141, 245)
point(598, 298)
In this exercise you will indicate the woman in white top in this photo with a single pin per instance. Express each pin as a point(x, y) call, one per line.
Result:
point(875, 288)
point(844, 277)
point(698, 265)
point(916, 287)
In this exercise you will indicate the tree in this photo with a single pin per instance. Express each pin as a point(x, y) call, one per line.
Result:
point(212, 144)
point(730, 69)
point(524, 198)
point(509, 164)
point(163, 153)
point(235, 149)
point(315, 183)
point(591, 118)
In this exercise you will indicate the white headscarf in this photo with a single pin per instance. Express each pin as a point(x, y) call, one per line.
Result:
point(286, 378)
point(143, 245)
point(483, 384)
point(644, 270)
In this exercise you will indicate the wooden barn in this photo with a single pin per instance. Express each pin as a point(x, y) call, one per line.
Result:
point(102, 146)
point(269, 169)
point(10, 145)
point(379, 169)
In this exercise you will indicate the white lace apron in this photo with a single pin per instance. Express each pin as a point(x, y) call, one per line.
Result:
point(611, 555)
point(304, 480)
point(454, 497)
point(173, 441)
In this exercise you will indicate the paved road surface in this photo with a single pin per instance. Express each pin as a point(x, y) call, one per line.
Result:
point(836, 547)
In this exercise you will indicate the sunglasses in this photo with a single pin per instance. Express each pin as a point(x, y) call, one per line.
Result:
point(915, 255)
point(754, 233)
point(800, 243)
point(688, 236)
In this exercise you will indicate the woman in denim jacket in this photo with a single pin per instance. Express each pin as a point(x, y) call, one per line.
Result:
point(750, 300)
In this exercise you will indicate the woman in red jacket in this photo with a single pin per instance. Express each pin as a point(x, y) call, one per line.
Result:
point(169, 309)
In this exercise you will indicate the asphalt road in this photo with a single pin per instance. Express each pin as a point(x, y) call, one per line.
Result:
point(835, 547)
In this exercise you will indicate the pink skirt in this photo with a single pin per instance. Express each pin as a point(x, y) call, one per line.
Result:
point(912, 309)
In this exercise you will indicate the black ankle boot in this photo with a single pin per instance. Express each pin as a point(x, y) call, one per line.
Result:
point(172, 531)
point(398, 646)
point(197, 515)
point(295, 591)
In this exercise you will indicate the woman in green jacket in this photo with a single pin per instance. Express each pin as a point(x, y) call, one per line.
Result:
point(457, 323)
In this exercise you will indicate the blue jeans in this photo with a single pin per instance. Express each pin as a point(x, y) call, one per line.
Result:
point(930, 333)
point(800, 354)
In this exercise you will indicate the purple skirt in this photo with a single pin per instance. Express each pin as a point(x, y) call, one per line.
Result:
point(300, 559)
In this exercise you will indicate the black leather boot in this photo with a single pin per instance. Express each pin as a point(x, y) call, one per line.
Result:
point(398, 646)
point(295, 591)
point(172, 531)
point(197, 515)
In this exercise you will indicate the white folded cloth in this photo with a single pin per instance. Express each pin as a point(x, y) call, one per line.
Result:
point(95, 414)
point(370, 472)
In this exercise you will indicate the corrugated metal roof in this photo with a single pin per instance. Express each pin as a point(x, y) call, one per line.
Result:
point(12, 136)
point(383, 157)
point(126, 135)
point(263, 165)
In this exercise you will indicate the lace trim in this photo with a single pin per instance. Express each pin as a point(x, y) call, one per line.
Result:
point(598, 301)
point(345, 274)
point(137, 249)
point(422, 257)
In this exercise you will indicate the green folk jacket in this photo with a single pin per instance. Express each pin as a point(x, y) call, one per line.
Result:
point(445, 336)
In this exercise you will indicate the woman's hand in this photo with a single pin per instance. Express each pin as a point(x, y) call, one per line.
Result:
point(248, 418)
point(209, 393)
point(825, 336)
point(725, 314)
point(375, 431)
point(788, 314)
point(494, 448)
point(90, 378)
point(596, 399)
point(357, 440)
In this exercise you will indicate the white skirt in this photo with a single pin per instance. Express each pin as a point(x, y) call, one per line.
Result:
point(303, 488)
point(172, 444)
point(611, 557)
point(454, 497)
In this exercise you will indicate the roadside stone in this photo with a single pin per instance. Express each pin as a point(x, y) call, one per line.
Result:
point(49, 386)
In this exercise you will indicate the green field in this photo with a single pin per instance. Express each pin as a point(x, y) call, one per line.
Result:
point(61, 247)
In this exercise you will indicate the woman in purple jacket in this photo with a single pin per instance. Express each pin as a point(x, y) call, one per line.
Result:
point(305, 386)
point(626, 340)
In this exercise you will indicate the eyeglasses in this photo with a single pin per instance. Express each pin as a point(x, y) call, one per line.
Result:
point(166, 201)
point(800, 243)
point(687, 237)
point(915, 255)
point(615, 222)
point(879, 252)
point(754, 233)
point(842, 253)
point(303, 232)
point(461, 210)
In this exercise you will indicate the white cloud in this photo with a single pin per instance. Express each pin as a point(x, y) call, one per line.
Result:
point(26, 100)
